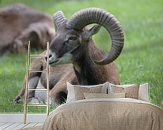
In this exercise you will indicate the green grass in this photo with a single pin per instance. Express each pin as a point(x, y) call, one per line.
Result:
point(142, 57)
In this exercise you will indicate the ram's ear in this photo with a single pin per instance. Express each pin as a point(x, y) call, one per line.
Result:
point(95, 29)
point(87, 34)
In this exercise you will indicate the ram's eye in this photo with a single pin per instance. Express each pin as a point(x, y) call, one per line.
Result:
point(73, 38)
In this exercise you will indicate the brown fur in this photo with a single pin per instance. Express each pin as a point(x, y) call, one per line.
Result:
point(96, 74)
point(105, 72)
point(58, 78)
point(20, 24)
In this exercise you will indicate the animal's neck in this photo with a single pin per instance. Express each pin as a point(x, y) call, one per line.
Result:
point(86, 70)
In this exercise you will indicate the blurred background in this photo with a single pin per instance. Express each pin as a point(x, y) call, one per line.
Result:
point(142, 57)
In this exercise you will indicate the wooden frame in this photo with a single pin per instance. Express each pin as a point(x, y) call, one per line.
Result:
point(26, 105)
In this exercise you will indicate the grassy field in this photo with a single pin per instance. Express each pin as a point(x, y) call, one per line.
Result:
point(142, 57)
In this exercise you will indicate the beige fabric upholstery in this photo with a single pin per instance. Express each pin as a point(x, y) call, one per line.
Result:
point(143, 92)
point(79, 91)
point(105, 114)
point(131, 90)
point(76, 92)
point(101, 95)
point(71, 93)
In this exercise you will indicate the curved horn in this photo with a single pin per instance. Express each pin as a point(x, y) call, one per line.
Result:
point(95, 15)
point(59, 19)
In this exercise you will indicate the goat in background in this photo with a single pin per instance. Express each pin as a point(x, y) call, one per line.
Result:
point(20, 24)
